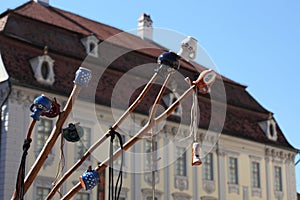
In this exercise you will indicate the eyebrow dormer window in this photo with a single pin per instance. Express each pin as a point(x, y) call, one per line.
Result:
point(269, 128)
point(90, 44)
point(42, 67)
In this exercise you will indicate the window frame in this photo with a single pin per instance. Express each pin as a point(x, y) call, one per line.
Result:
point(208, 175)
point(255, 175)
point(181, 159)
point(278, 186)
point(43, 134)
point(233, 180)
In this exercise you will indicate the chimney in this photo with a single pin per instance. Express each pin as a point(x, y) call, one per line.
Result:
point(43, 2)
point(145, 30)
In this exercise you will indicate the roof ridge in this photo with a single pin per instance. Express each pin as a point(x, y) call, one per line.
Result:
point(8, 10)
point(86, 18)
point(54, 9)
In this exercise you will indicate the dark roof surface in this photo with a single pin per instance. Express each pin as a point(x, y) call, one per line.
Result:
point(27, 29)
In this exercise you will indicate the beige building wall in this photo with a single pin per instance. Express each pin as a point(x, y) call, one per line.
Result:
point(136, 184)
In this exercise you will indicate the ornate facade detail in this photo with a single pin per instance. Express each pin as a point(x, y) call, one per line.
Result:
point(91, 45)
point(147, 192)
point(148, 178)
point(221, 152)
point(208, 198)
point(234, 188)
point(269, 128)
point(278, 156)
point(209, 186)
point(256, 192)
point(19, 96)
point(181, 196)
point(278, 195)
point(255, 158)
point(42, 67)
point(181, 182)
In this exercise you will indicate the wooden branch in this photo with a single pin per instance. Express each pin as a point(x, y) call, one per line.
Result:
point(32, 124)
point(79, 81)
point(136, 138)
point(101, 140)
point(153, 137)
point(147, 127)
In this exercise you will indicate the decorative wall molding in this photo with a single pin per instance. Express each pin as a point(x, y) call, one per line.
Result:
point(147, 192)
point(255, 158)
point(181, 196)
point(19, 96)
point(278, 156)
point(148, 177)
point(256, 192)
point(209, 186)
point(91, 45)
point(42, 67)
point(278, 194)
point(208, 198)
point(181, 182)
point(233, 188)
point(269, 128)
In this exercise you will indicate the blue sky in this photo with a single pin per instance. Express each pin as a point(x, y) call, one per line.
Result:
point(255, 43)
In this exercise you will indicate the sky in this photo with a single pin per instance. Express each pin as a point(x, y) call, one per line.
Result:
point(253, 42)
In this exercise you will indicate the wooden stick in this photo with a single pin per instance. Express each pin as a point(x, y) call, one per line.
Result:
point(21, 168)
point(101, 140)
point(133, 140)
point(153, 137)
point(55, 132)
point(32, 124)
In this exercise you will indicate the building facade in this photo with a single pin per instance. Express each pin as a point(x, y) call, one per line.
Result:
point(42, 47)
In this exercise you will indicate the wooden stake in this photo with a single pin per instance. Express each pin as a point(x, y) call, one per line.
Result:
point(101, 140)
point(56, 130)
point(133, 140)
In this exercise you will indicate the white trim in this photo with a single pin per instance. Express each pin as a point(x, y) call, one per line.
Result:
point(91, 40)
point(269, 128)
point(36, 65)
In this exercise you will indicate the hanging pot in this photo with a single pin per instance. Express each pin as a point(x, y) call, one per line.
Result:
point(196, 154)
point(73, 132)
point(89, 179)
point(40, 105)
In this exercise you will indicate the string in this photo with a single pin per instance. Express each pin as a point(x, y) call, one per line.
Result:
point(61, 164)
point(111, 191)
point(21, 172)
point(194, 116)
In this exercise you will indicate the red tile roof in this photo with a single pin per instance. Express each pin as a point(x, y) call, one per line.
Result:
point(32, 26)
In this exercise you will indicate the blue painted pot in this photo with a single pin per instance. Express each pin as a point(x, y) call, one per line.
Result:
point(89, 179)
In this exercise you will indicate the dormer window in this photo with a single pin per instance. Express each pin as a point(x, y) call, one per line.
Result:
point(42, 67)
point(169, 99)
point(90, 43)
point(269, 128)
